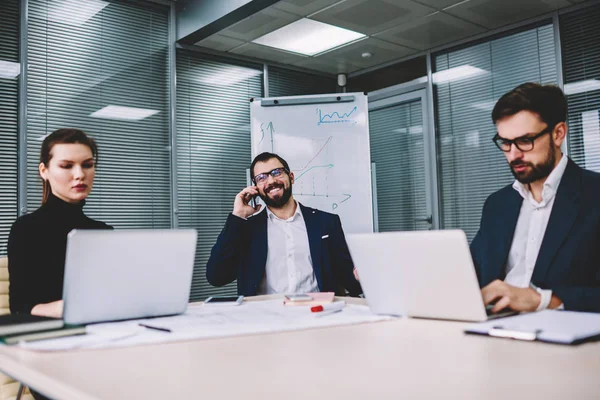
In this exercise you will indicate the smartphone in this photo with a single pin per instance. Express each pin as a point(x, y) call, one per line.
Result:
point(298, 297)
point(224, 300)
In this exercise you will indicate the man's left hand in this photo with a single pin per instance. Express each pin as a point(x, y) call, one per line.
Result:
point(505, 295)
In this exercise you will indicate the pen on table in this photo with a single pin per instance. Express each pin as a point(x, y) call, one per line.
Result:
point(337, 306)
point(326, 313)
point(156, 328)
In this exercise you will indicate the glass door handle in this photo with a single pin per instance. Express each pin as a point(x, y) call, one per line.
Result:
point(428, 219)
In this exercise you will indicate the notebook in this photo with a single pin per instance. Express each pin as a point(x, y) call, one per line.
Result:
point(41, 335)
point(318, 299)
point(11, 324)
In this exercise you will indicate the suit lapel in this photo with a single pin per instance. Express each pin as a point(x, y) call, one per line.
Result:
point(507, 223)
point(562, 217)
point(313, 229)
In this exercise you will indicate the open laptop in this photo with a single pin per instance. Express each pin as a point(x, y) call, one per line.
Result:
point(426, 274)
point(127, 274)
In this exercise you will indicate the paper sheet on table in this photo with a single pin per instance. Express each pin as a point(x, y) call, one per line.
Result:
point(202, 322)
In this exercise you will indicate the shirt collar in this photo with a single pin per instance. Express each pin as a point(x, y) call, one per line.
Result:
point(550, 185)
point(297, 213)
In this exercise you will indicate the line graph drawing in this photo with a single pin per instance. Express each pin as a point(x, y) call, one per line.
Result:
point(311, 168)
point(335, 117)
point(316, 155)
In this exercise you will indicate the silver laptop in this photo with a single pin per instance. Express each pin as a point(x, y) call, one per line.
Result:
point(126, 274)
point(427, 274)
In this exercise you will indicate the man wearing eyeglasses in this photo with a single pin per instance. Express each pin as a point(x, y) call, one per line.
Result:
point(287, 248)
point(538, 245)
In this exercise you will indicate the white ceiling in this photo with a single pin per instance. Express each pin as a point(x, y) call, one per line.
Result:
point(394, 28)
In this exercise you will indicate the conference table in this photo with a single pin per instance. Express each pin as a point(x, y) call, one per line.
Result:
point(400, 358)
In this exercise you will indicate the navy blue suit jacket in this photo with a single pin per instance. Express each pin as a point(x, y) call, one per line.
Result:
point(241, 253)
point(569, 259)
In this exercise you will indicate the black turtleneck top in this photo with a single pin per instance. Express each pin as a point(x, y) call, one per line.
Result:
point(36, 252)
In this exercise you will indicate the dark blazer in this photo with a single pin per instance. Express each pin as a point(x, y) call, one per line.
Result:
point(569, 259)
point(241, 253)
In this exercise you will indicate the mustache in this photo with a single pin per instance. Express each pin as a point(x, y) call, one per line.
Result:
point(517, 163)
point(273, 186)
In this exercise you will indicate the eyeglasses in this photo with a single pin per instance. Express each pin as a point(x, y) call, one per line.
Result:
point(275, 173)
point(524, 143)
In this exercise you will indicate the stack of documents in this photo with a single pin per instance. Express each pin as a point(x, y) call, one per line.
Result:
point(553, 326)
point(201, 322)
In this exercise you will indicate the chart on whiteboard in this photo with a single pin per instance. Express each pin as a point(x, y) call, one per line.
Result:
point(327, 148)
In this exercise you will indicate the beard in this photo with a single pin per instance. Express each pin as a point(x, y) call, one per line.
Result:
point(279, 201)
point(535, 171)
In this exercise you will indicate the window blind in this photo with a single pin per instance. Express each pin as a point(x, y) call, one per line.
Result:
point(213, 149)
point(83, 56)
point(397, 150)
point(468, 82)
point(580, 40)
point(9, 61)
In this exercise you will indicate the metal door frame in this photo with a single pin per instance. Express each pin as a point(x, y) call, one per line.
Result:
point(429, 148)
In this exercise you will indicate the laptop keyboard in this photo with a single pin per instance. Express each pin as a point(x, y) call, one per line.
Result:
point(502, 313)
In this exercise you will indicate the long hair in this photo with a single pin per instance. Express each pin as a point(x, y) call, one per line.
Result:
point(60, 136)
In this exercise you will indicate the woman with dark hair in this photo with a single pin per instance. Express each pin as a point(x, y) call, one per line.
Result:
point(37, 241)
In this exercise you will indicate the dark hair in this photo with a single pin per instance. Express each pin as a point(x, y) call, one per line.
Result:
point(266, 156)
point(61, 136)
point(548, 101)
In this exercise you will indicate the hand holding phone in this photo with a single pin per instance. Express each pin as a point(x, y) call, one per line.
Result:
point(241, 205)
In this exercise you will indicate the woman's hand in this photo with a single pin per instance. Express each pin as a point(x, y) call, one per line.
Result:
point(53, 309)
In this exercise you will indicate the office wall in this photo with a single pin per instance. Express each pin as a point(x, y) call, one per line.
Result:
point(213, 149)
point(9, 53)
point(389, 76)
point(284, 82)
point(84, 56)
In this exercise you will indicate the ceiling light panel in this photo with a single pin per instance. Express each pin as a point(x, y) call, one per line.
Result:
point(308, 37)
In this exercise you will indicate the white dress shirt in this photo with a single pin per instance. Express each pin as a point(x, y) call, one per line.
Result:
point(289, 266)
point(530, 230)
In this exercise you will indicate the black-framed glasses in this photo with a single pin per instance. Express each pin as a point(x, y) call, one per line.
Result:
point(523, 143)
point(275, 173)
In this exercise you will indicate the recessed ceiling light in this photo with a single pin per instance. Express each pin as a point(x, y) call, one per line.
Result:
point(9, 70)
point(582, 86)
point(308, 37)
point(123, 113)
point(228, 76)
point(366, 55)
point(457, 73)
